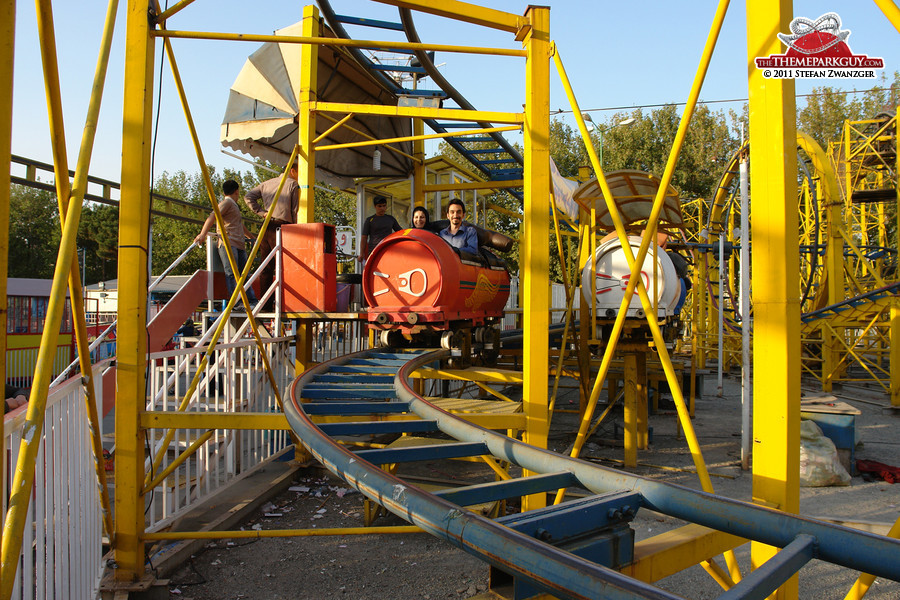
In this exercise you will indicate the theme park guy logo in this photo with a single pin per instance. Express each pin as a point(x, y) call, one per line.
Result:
point(818, 49)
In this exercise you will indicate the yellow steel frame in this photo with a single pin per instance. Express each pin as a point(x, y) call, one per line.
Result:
point(330, 41)
point(777, 315)
point(131, 417)
point(776, 372)
point(65, 273)
point(7, 50)
point(306, 165)
point(535, 242)
point(131, 358)
point(635, 283)
point(150, 480)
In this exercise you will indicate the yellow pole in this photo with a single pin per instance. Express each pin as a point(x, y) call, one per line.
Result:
point(536, 234)
point(569, 298)
point(23, 479)
point(7, 50)
point(330, 41)
point(895, 352)
point(65, 196)
point(131, 343)
point(891, 11)
point(776, 261)
point(306, 172)
point(635, 263)
point(418, 191)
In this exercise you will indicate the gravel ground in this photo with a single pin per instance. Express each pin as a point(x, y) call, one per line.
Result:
point(418, 566)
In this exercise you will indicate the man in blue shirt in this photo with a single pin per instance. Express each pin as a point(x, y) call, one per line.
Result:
point(458, 234)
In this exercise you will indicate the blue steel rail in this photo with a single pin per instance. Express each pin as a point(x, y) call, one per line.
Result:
point(892, 289)
point(492, 154)
point(522, 545)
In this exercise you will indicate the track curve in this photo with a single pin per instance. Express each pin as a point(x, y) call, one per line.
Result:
point(511, 543)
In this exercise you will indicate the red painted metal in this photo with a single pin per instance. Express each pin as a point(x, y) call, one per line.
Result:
point(415, 271)
point(182, 305)
point(309, 264)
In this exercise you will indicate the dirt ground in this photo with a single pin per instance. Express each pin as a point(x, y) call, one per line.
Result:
point(418, 566)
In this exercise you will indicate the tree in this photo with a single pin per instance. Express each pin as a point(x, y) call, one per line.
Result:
point(827, 108)
point(34, 232)
point(98, 238)
point(645, 145)
point(171, 236)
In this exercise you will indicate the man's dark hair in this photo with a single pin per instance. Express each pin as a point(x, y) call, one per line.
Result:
point(230, 186)
point(456, 201)
point(379, 200)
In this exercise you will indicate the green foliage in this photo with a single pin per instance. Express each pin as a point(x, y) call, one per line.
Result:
point(98, 239)
point(335, 207)
point(34, 232)
point(171, 236)
point(645, 143)
point(827, 108)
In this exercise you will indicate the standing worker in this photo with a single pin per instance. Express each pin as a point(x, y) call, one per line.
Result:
point(285, 212)
point(377, 227)
point(235, 233)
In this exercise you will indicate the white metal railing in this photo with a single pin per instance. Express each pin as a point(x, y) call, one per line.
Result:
point(62, 544)
point(20, 364)
point(233, 381)
point(336, 338)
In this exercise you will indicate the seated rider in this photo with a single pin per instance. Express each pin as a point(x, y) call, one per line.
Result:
point(421, 219)
point(458, 234)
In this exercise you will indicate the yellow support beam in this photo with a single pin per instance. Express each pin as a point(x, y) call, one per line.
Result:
point(7, 47)
point(418, 136)
point(535, 248)
point(484, 375)
point(131, 357)
point(895, 353)
point(676, 550)
point(306, 159)
point(419, 176)
point(218, 420)
point(776, 265)
point(273, 533)
point(413, 112)
point(475, 185)
point(468, 13)
point(330, 41)
point(249, 421)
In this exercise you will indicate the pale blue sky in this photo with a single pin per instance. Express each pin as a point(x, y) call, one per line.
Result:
point(617, 54)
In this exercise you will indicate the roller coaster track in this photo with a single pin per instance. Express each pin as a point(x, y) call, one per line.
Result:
point(571, 550)
point(492, 154)
point(858, 305)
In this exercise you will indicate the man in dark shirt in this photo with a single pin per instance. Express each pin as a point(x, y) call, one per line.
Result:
point(377, 227)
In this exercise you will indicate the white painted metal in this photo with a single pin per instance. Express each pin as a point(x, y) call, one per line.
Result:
point(62, 544)
point(746, 394)
point(233, 381)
